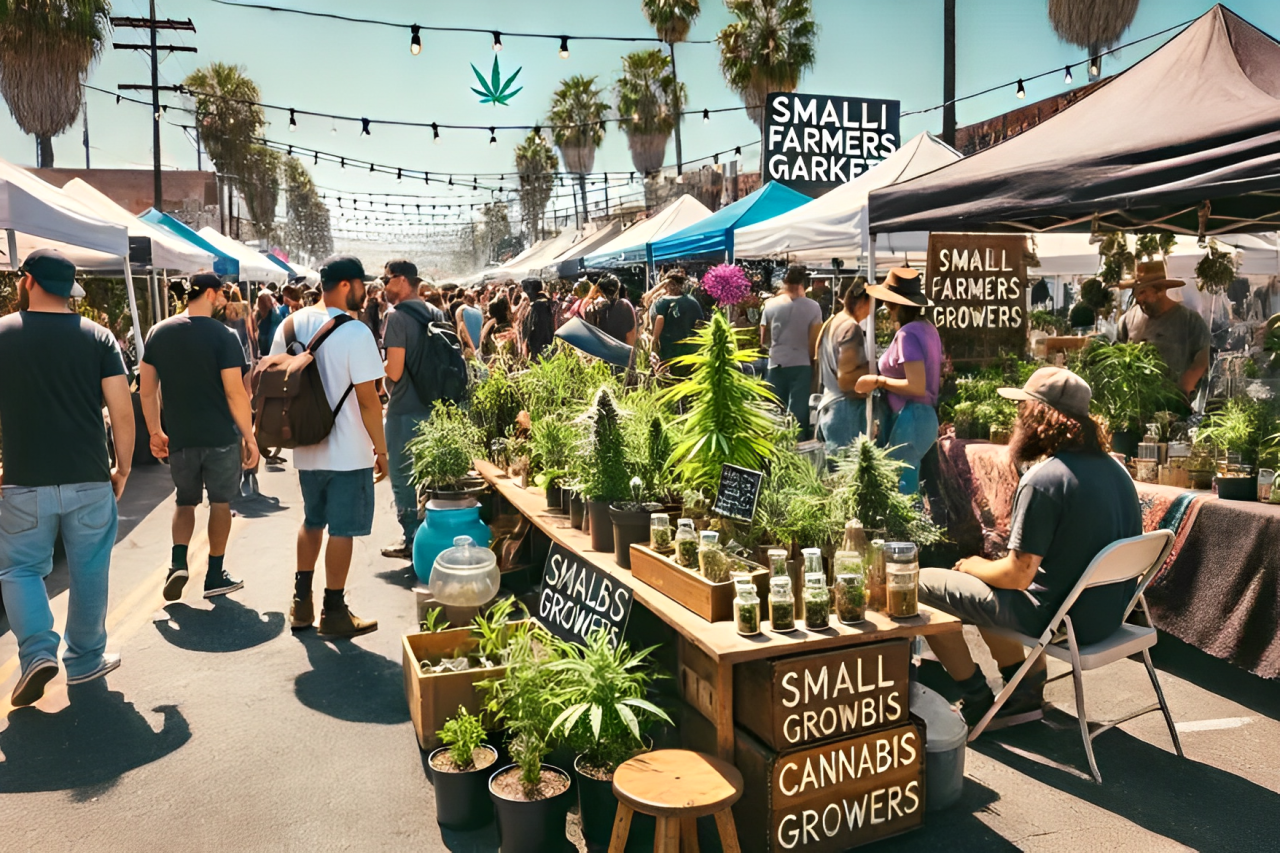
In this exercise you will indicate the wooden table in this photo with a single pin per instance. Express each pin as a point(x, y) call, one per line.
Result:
point(710, 649)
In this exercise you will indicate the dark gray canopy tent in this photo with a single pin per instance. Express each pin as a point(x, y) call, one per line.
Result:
point(1187, 140)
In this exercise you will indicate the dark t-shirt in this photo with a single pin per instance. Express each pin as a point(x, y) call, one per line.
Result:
point(405, 331)
point(680, 314)
point(189, 354)
point(51, 398)
point(1066, 510)
point(616, 319)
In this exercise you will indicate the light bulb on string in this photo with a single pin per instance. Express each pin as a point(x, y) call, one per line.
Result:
point(493, 139)
point(342, 162)
point(415, 40)
point(364, 127)
point(564, 47)
point(316, 160)
point(497, 40)
point(1022, 92)
point(398, 176)
point(451, 180)
point(706, 116)
point(370, 168)
point(293, 121)
point(435, 133)
point(333, 127)
point(1066, 75)
point(1095, 66)
point(426, 178)
point(737, 152)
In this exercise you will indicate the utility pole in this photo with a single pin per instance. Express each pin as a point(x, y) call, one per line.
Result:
point(671, 47)
point(153, 26)
point(949, 72)
point(84, 116)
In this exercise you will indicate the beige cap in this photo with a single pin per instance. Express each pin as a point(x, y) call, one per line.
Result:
point(1058, 389)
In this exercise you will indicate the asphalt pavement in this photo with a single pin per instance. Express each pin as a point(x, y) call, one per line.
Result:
point(223, 730)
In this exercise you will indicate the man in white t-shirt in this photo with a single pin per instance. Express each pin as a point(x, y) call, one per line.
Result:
point(337, 475)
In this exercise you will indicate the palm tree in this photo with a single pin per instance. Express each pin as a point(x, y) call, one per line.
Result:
point(260, 183)
point(537, 164)
point(649, 103)
point(767, 49)
point(227, 117)
point(577, 112)
point(1092, 24)
point(307, 229)
point(46, 48)
point(672, 19)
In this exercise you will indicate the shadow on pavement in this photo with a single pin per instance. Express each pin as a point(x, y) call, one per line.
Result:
point(1216, 676)
point(228, 627)
point(483, 840)
point(957, 829)
point(351, 683)
point(402, 577)
point(258, 506)
point(90, 743)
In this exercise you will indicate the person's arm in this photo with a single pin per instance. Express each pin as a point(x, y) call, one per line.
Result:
point(1015, 570)
point(850, 367)
point(913, 386)
point(464, 336)
point(1191, 378)
point(371, 415)
point(395, 363)
point(658, 323)
point(115, 391)
point(630, 337)
point(149, 391)
point(815, 328)
point(233, 386)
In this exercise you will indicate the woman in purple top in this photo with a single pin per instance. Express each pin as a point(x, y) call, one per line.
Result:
point(910, 373)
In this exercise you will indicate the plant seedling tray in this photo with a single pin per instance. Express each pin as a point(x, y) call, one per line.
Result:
point(711, 601)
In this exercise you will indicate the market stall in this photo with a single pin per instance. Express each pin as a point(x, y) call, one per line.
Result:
point(254, 266)
point(713, 236)
point(568, 264)
point(224, 263)
point(630, 247)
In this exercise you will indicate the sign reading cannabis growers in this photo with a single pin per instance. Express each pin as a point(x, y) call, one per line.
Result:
point(815, 143)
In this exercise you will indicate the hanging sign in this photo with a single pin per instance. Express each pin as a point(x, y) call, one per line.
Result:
point(978, 286)
point(577, 599)
point(738, 493)
point(815, 143)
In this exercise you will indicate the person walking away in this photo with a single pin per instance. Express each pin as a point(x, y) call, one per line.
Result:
point(498, 338)
point(613, 313)
point(337, 475)
point(538, 328)
point(197, 365)
point(405, 409)
point(57, 480)
point(675, 315)
point(1074, 501)
point(842, 361)
point(910, 371)
point(236, 316)
point(789, 328)
point(1180, 334)
point(470, 322)
point(265, 320)
point(374, 308)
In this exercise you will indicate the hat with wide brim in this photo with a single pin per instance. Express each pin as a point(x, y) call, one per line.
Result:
point(1150, 273)
point(903, 286)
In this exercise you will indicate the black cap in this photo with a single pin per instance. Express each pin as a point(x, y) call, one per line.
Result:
point(408, 269)
point(200, 282)
point(53, 272)
point(339, 268)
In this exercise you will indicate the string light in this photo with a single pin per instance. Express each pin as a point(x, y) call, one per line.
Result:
point(415, 40)
point(293, 121)
point(706, 116)
point(1022, 92)
point(497, 40)
point(564, 47)
point(333, 127)
point(364, 127)
point(435, 133)
point(1066, 76)
point(342, 162)
point(398, 176)
point(1095, 65)
point(493, 139)
point(315, 161)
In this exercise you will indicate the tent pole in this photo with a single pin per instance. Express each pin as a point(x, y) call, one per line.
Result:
point(133, 307)
point(13, 248)
point(872, 365)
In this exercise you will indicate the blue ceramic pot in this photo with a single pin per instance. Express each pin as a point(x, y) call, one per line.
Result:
point(437, 533)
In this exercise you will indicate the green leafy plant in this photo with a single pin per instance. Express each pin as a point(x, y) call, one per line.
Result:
point(865, 487)
point(794, 504)
point(1117, 259)
point(528, 699)
point(1130, 383)
point(552, 442)
point(1216, 270)
point(1095, 294)
point(444, 448)
point(560, 384)
point(1153, 245)
point(434, 623)
point(606, 714)
point(493, 629)
point(495, 404)
point(494, 91)
point(605, 476)
point(1241, 427)
point(1047, 321)
point(463, 735)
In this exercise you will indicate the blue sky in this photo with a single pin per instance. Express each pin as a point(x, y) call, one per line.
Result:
point(873, 48)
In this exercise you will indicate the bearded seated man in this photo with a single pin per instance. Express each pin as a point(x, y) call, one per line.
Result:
point(1072, 502)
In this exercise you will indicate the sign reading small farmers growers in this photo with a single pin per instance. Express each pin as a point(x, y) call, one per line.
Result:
point(978, 286)
point(815, 143)
point(577, 598)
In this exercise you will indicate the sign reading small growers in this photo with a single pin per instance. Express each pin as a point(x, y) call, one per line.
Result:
point(815, 143)
point(577, 598)
point(738, 492)
point(978, 286)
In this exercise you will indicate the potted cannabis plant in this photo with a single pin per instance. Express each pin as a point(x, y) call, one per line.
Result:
point(865, 486)
point(460, 771)
point(551, 444)
point(443, 450)
point(1237, 430)
point(1130, 384)
point(604, 476)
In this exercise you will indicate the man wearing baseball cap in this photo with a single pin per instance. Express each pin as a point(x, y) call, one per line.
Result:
point(1072, 502)
point(337, 475)
point(57, 479)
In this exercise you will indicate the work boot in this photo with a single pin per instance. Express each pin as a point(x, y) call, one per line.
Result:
point(398, 550)
point(302, 613)
point(337, 620)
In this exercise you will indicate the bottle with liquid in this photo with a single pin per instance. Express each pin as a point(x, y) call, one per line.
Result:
point(902, 579)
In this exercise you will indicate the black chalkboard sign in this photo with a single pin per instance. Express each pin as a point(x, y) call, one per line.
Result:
point(739, 490)
point(577, 598)
point(815, 143)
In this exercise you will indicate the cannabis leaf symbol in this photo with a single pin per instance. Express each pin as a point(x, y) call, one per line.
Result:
point(494, 91)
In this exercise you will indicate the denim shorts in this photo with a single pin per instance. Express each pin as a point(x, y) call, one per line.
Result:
point(197, 469)
point(339, 500)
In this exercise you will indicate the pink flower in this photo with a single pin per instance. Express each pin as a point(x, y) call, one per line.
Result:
point(727, 284)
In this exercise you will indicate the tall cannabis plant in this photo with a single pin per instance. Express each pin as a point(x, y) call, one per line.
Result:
point(605, 476)
point(866, 488)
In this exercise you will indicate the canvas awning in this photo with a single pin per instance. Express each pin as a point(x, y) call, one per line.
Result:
point(254, 266)
point(223, 263)
point(630, 247)
point(569, 263)
point(530, 264)
point(1186, 140)
point(167, 251)
point(713, 236)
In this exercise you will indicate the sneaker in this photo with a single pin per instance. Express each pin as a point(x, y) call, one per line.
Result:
point(109, 663)
point(302, 614)
point(343, 623)
point(30, 686)
point(220, 583)
point(174, 584)
point(249, 485)
point(400, 550)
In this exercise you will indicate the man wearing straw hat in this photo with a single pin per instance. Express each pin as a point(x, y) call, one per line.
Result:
point(1180, 334)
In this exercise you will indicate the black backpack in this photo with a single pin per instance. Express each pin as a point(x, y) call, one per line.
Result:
point(540, 326)
point(436, 366)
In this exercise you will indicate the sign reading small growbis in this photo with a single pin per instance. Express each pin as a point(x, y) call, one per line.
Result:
point(978, 286)
point(577, 598)
point(815, 143)
point(738, 493)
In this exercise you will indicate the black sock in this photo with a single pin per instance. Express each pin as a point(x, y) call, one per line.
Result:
point(215, 565)
point(974, 685)
point(1034, 678)
point(302, 584)
point(179, 559)
point(333, 599)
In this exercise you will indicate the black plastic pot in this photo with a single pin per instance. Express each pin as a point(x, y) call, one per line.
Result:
point(536, 827)
point(601, 526)
point(577, 511)
point(1126, 441)
point(555, 497)
point(1237, 488)
point(566, 498)
point(462, 800)
point(598, 806)
point(630, 527)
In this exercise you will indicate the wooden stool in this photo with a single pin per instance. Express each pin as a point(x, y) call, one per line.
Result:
point(677, 787)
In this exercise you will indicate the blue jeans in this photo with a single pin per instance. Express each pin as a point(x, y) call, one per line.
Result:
point(792, 384)
point(913, 432)
point(843, 420)
point(30, 520)
point(400, 428)
point(341, 501)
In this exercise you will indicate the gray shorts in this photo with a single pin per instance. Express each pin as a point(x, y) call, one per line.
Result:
point(974, 603)
point(197, 469)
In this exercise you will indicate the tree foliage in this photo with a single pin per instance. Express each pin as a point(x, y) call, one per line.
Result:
point(770, 45)
point(577, 111)
point(649, 102)
point(671, 18)
point(536, 164)
point(307, 227)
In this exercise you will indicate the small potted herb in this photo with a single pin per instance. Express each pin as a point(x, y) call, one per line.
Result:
point(460, 773)
point(551, 445)
point(604, 476)
point(443, 450)
point(1238, 430)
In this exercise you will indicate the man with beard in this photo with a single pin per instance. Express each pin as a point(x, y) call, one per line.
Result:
point(1180, 334)
point(337, 475)
point(1072, 502)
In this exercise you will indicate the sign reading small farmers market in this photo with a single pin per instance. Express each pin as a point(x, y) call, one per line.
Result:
point(978, 286)
point(577, 599)
point(815, 143)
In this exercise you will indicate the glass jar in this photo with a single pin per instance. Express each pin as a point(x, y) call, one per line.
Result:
point(746, 610)
point(817, 602)
point(782, 604)
point(660, 532)
point(813, 563)
point(777, 562)
point(713, 562)
point(850, 587)
point(875, 576)
point(686, 543)
point(902, 578)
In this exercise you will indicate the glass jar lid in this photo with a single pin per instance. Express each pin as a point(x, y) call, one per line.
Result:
point(685, 522)
point(748, 594)
point(810, 553)
point(781, 584)
point(709, 537)
point(659, 519)
point(815, 579)
point(900, 552)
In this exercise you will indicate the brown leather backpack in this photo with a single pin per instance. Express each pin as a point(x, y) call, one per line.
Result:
point(290, 408)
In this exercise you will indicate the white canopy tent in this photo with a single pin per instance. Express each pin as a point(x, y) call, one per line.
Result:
point(530, 263)
point(498, 271)
point(167, 252)
point(676, 216)
point(253, 266)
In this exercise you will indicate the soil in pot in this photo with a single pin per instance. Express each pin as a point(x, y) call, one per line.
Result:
point(531, 824)
point(597, 806)
point(461, 799)
point(601, 526)
point(630, 527)
point(577, 511)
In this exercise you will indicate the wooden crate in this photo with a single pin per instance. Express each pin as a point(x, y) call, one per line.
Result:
point(436, 696)
point(711, 601)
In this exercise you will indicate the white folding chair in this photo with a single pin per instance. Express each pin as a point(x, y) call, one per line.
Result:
point(1118, 563)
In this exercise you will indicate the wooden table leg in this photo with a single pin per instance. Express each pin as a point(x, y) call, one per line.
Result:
point(728, 831)
point(621, 828)
point(724, 711)
point(689, 835)
point(668, 836)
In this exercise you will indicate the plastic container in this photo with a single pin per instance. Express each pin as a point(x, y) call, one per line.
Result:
point(945, 739)
point(464, 575)
point(777, 562)
point(746, 611)
point(686, 542)
point(446, 520)
point(782, 604)
point(660, 532)
point(902, 579)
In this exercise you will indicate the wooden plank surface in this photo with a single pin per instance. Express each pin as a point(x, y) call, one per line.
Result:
point(720, 640)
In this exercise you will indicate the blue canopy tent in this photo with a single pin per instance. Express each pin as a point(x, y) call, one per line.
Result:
point(290, 270)
point(223, 264)
point(713, 236)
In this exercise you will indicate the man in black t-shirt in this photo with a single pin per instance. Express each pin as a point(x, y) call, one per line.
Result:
point(57, 480)
point(538, 329)
point(674, 317)
point(198, 365)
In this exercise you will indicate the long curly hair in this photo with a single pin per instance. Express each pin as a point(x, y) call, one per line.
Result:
point(1043, 431)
